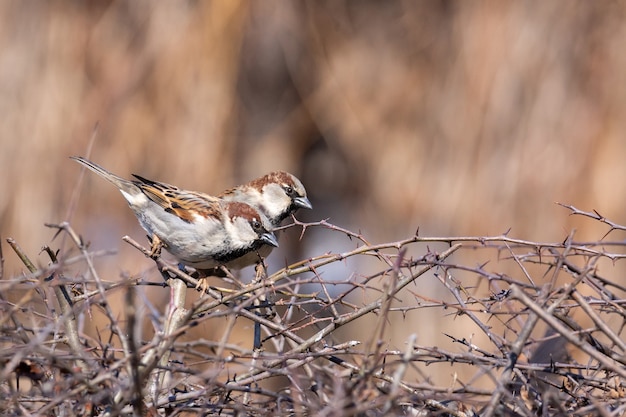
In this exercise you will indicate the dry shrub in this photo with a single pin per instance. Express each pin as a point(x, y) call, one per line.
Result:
point(548, 333)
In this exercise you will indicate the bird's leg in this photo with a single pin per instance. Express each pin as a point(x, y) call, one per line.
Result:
point(156, 245)
point(203, 282)
point(220, 271)
point(259, 272)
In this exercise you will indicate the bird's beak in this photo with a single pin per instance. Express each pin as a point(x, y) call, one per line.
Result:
point(269, 239)
point(302, 202)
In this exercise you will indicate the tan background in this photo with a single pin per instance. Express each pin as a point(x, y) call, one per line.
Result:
point(460, 118)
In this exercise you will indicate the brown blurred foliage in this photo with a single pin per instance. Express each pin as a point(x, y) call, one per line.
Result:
point(460, 118)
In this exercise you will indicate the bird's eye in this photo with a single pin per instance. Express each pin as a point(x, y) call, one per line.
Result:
point(256, 225)
point(289, 190)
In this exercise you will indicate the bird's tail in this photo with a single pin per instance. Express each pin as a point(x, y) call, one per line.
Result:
point(124, 185)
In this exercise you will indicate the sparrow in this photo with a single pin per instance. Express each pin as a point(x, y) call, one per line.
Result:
point(276, 195)
point(199, 230)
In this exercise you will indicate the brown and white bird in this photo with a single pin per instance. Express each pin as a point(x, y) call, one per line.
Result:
point(199, 230)
point(277, 195)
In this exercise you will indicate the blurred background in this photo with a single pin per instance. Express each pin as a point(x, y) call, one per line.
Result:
point(460, 118)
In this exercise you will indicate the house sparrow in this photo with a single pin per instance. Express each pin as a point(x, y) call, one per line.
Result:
point(277, 195)
point(200, 230)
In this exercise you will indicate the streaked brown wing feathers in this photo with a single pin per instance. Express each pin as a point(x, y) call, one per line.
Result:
point(184, 204)
point(187, 204)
